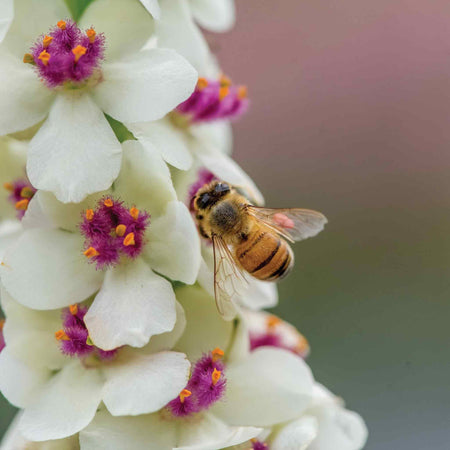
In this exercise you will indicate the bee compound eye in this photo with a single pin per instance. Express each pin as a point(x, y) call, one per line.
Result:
point(221, 188)
point(203, 201)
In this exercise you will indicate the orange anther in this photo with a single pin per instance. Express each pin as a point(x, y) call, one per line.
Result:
point(217, 354)
point(28, 58)
point(120, 230)
point(302, 346)
point(129, 240)
point(8, 186)
point(26, 192)
point(79, 51)
point(202, 83)
point(215, 377)
point(60, 335)
point(224, 80)
point(108, 202)
point(44, 56)
point(89, 214)
point(2, 324)
point(91, 35)
point(272, 322)
point(134, 213)
point(183, 394)
point(47, 41)
point(73, 309)
point(223, 92)
point(22, 205)
point(242, 92)
point(91, 252)
point(61, 24)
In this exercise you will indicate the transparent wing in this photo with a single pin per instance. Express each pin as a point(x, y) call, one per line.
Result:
point(294, 224)
point(229, 280)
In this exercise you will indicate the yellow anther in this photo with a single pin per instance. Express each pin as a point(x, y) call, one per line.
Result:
point(28, 58)
point(273, 322)
point(61, 24)
point(89, 341)
point(44, 56)
point(120, 230)
point(73, 309)
point(129, 240)
point(215, 377)
point(134, 213)
point(8, 186)
point(89, 214)
point(108, 202)
point(60, 335)
point(79, 51)
point(217, 354)
point(223, 92)
point(47, 41)
point(91, 35)
point(2, 324)
point(242, 92)
point(22, 205)
point(202, 83)
point(91, 252)
point(26, 192)
point(224, 80)
point(183, 394)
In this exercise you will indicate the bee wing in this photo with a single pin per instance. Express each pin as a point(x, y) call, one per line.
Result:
point(228, 278)
point(294, 224)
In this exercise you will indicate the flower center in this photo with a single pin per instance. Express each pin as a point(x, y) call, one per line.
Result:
point(258, 445)
point(2, 339)
point(113, 231)
point(66, 55)
point(21, 192)
point(205, 387)
point(269, 330)
point(213, 100)
point(74, 339)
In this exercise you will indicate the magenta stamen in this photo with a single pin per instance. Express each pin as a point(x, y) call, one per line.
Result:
point(21, 192)
point(2, 339)
point(258, 445)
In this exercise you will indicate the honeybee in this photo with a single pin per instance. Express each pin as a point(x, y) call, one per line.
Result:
point(248, 239)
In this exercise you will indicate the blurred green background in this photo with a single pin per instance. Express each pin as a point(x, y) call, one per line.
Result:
point(350, 111)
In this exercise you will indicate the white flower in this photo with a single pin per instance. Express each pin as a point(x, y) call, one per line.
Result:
point(60, 395)
point(260, 389)
point(45, 268)
point(75, 152)
point(6, 16)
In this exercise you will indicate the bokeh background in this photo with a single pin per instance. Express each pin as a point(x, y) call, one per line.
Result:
point(350, 115)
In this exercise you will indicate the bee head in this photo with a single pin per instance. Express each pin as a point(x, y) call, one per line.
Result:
point(211, 194)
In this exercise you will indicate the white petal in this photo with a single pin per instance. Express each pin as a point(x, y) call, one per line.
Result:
point(10, 230)
point(25, 100)
point(19, 381)
point(296, 435)
point(34, 216)
point(145, 86)
point(210, 433)
point(75, 153)
point(218, 135)
point(124, 36)
point(214, 15)
point(164, 138)
point(150, 432)
point(174, 245)
point(132, 305)
point(65, 405)
point(46, 269)
point(152, 6)
point(205, 329)
point(177, 30)
point(144, 180)
point(6, 16)
point(141, 384)
point(269, 387)
point(259, 294)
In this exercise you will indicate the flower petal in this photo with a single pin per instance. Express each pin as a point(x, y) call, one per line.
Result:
point(214, 15)
point(150, 431)
point(218, 135)
point(145, 86)
point(46, 269)
point(19, 380)
point(75, 153)
point(269, 387)
point(133, 304)
point(125, 36)
point(174, 245)
point(259, 294)
point(65, 405)
point(6, 16)
point(205, 329)
point(25, 100)
point(141, 384)
point(10, 230)
point(297, 435)
point(161, 136)
point(152, 6)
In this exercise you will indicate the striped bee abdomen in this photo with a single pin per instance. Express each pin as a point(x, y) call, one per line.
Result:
point(265, 255)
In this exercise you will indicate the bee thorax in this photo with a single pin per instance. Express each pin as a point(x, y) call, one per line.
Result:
point(225, 218)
